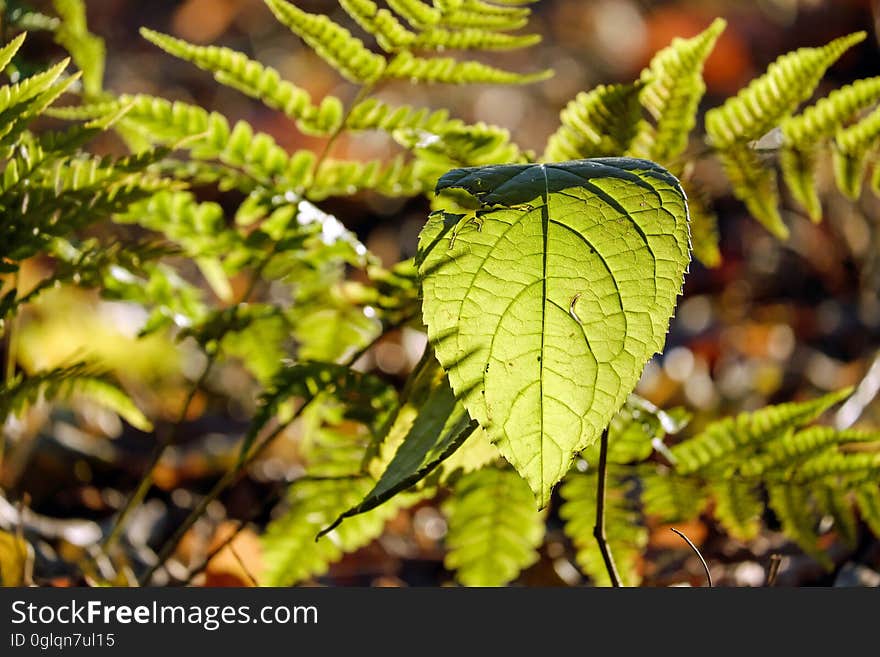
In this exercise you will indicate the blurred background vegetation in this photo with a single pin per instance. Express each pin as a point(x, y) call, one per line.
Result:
point(776, 321)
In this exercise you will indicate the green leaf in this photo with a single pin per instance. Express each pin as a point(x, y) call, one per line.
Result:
point(440, 428)
point(86, 49)
point(494, 529)
point(544, 306)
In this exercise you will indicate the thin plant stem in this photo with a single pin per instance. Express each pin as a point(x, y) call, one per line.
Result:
point(599, 529)
point(697, 552)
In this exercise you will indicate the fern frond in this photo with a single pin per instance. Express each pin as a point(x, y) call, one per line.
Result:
point(84, 112)
point(86, 49)
point(799, 173)
point(494, 528)
point(468, 19)
point(852, 147)
point(723, 437)
point(626, 536)
point(473, 38)
point(8, 51)
point(671, 498)
point(207, 135)
point(418, 14)
point(705, 238)
point(390, 34)
point(373, 114)
point(305, 380)
point(673, 88)
point(237, 70)
point(754, 184)
point(200, 228)
point(787, 449)
point(13, 97)
point(395, 178)
point(835, 463)
point(406, 66)
point(332, 42)
point(828, 115)
point(833, 501)
point(602, 122)
point(65, 382)
point(868, 502)
point(790, 80)
point(290, 551)
point(88, 264)
point(738, 507)
point(796, 512)
point(458, 144)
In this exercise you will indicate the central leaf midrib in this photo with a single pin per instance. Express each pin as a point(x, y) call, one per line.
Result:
point(545, 232)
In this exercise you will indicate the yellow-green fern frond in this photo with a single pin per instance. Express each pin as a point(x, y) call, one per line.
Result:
point(207, 135)
point(834, 502)
point(796, 512)
point(768, 99)
point(791, 448)
point(755, 184)
point(373, 114)
point(79, 379)
point(390, 34)
point(828, 115)
point(671, 498)
point(406, 66)
point(86, 49)
point(465, 19)
point(673, 89)
point(84, 112)
point(473, 38)
point(16, 94)
point(8, 51)
point(738, 507)
point(395, 178)
point(264, 83)
point(799, 173)
point(332, 42)
point(835, 463)
point(723, 437)
point(704, 227)
point(290, 550)
point(626, 536)
point(850, 155)
point(494, 528)
point(417, 13)
point(495, 8)
point(868, 502)
point(459, 144)
point(597, 123)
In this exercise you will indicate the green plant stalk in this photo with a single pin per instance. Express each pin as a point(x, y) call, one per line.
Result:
point(599, 529)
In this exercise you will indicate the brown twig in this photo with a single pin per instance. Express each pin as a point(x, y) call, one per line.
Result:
point(697, 552)
point(773, 570)
point(599, 529)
